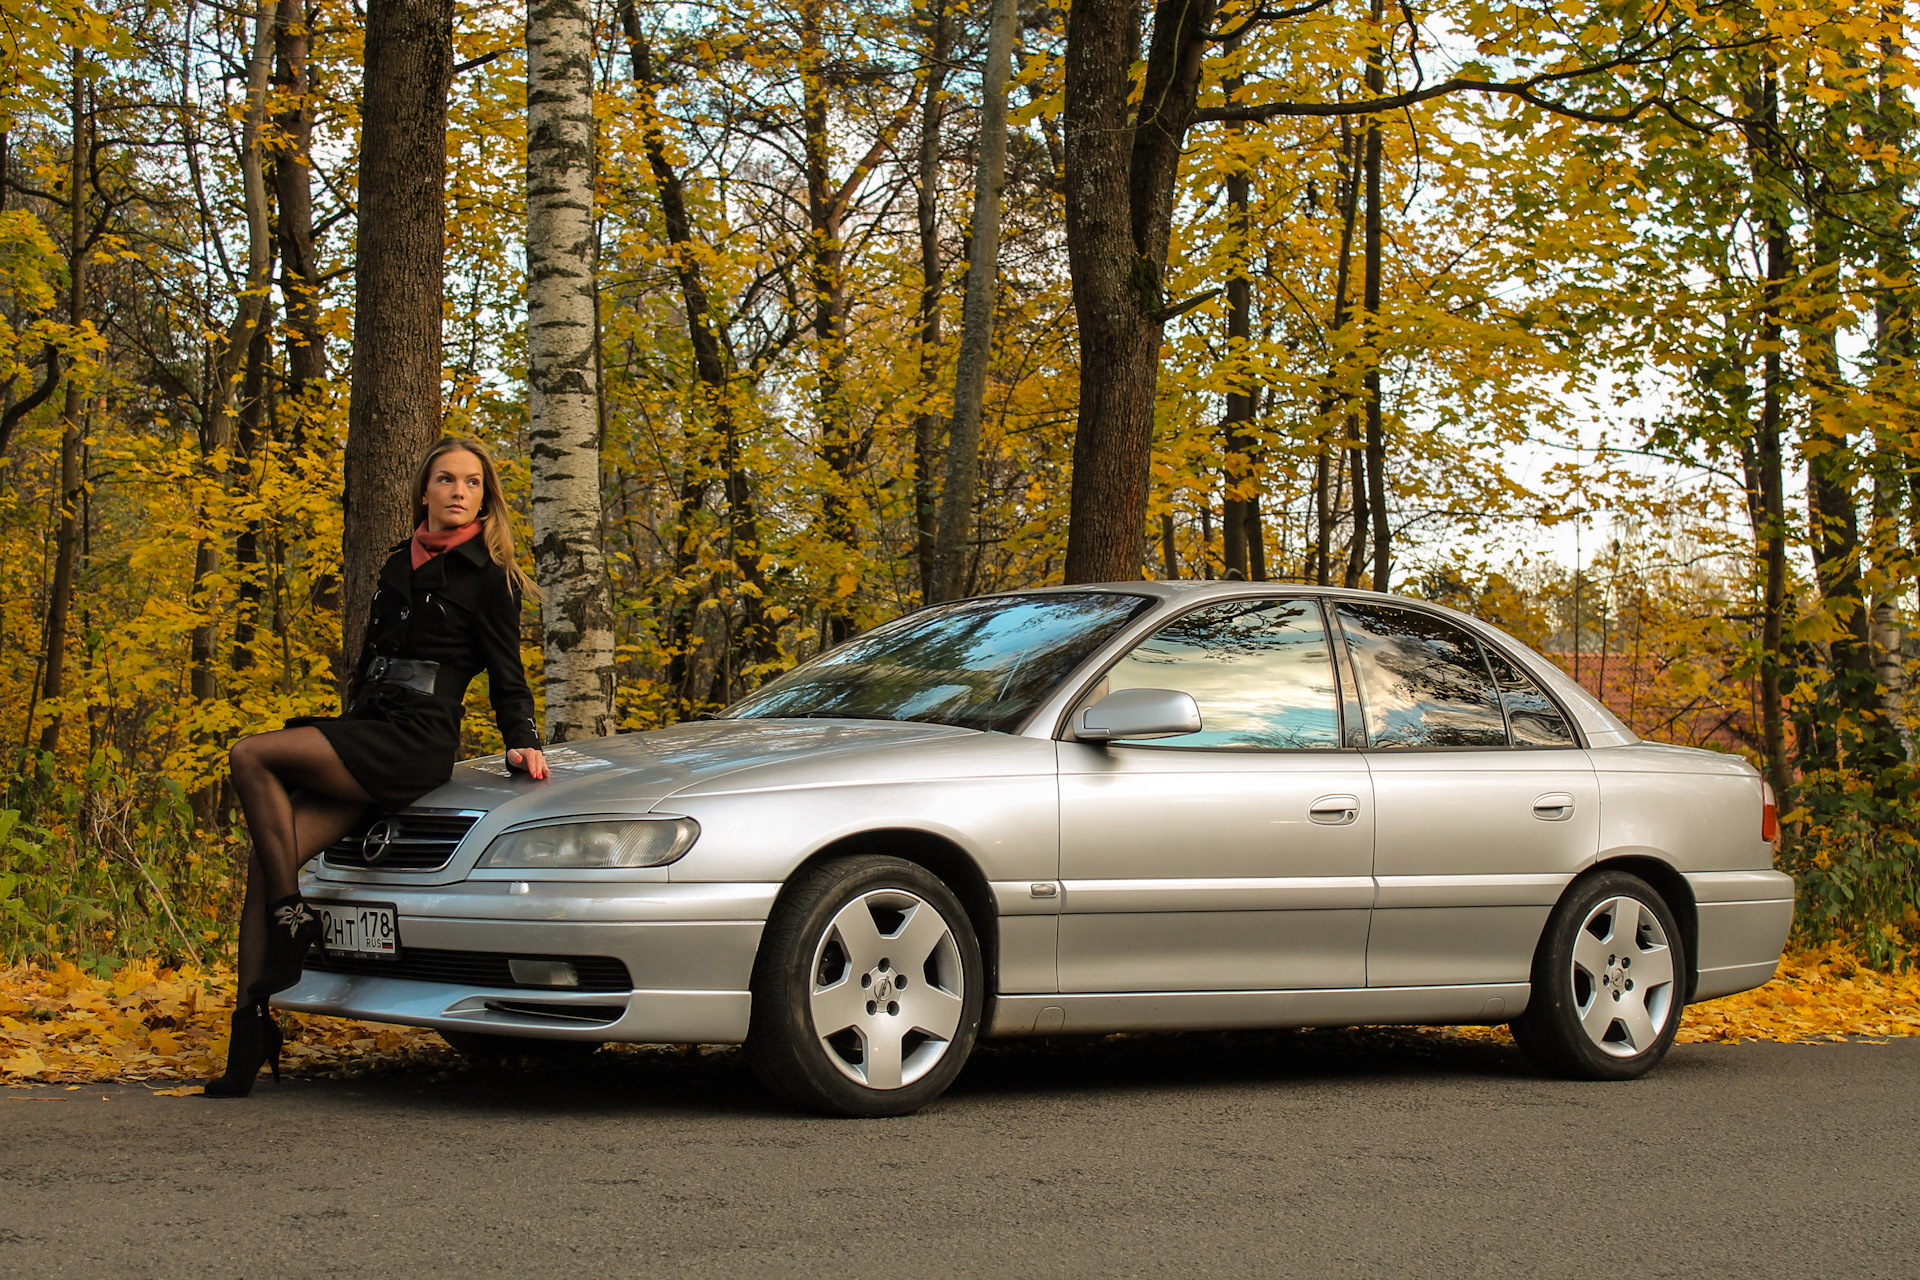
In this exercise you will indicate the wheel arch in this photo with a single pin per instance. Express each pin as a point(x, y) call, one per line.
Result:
point(943, 858)
point(1673, 888)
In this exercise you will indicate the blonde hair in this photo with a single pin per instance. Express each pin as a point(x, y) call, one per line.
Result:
point(496, 530)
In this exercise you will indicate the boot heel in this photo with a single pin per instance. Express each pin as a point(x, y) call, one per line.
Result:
point(246, 1049)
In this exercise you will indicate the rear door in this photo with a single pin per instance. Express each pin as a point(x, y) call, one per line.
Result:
point(1485, 806)
point(1236, 858)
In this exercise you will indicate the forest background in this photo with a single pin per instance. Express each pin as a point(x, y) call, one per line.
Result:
point(786, 318)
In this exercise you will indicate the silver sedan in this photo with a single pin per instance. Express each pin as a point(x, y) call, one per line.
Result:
point(1139, 806)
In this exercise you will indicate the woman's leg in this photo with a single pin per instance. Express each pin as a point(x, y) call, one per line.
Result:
point(267, 769)
point(298, 799)
point(318, 822)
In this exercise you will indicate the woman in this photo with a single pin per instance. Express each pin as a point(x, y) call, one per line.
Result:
point(447, 608)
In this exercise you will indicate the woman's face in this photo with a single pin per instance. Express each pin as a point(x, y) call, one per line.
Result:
point(454, 489)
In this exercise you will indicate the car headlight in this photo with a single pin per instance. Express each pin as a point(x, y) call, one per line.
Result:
point(641, 842)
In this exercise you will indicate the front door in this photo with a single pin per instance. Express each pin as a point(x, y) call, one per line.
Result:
point(1486, 807)
point(1233, 859)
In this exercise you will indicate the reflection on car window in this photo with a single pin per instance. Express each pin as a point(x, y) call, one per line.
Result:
point(1260, 671)
point(979, 664)
point(1532, 718)
point(1422, 679)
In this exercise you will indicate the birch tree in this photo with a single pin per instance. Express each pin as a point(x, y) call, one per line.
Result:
point(563, 385)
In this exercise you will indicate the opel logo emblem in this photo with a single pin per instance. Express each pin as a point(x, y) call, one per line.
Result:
point(379, 841)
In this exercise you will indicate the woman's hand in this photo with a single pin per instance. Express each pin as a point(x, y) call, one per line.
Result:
point(528, 761)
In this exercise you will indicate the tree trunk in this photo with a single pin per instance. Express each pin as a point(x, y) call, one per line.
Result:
point(926, 426)
point(976, 326)
point(246, 546)
point(1238, 507)
point(1766, 494)
point(1894, 351)
point(1120, 176)
point(1347, 457)
point(293, 199)
point(249, 315)
point(1357, 546)
point(1376, 432)
point(67, 537)
point(576, 612)
point(827, 281)
point(399, 286)
point(755, 639)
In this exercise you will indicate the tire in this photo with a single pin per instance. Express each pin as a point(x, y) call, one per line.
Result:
point(1609, 982)
point(867, 989)
point(482, 1046)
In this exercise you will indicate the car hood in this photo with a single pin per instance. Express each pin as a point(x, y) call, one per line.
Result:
point(633, 772)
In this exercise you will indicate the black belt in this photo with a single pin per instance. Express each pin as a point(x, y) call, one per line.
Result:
point(413, 673)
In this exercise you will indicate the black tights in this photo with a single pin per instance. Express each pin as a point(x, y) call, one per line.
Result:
point(298, 799)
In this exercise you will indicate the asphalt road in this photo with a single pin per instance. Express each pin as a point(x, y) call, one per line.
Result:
point(1300, 1154)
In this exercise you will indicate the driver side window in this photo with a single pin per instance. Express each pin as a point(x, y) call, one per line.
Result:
point(1260, 670)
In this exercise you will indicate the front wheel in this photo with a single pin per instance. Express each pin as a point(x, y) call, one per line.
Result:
point(1608, 980)
point(867, 990)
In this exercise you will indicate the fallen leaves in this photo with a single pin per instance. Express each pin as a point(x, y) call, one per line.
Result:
point(147, 1023)
point(1819, 995)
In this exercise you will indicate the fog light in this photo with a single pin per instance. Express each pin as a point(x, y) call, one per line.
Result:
point(543, 973)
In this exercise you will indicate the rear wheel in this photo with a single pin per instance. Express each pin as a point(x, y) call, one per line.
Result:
point(1607, 982)
point(867, 990)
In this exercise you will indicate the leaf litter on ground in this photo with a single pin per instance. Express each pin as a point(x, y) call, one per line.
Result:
point(148, 1023)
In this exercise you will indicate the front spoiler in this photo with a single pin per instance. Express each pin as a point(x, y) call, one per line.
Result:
point(640, 1017)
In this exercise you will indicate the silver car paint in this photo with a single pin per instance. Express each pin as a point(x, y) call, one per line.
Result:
point(1134, 887)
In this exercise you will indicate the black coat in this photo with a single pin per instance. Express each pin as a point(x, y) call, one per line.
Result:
point(461, 610)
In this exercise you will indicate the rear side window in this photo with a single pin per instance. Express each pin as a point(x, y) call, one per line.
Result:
point(1532, 718)
point(1423, 680)
point(1260, 671)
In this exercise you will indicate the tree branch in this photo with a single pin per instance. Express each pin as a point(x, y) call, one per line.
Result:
point(1261, 16)
point(1526, 90)
point(1185, 305)
point(38, 397)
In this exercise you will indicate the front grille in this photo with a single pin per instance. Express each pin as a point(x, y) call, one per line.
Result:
point(415, 840)
point(475, 968)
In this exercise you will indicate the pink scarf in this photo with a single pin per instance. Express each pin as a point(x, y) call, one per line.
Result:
point(428, 545)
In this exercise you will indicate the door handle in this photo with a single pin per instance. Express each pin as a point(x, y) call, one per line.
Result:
point(1334, 811)
point(1555, 806)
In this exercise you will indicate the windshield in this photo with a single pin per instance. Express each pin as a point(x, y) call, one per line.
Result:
point(979, 664)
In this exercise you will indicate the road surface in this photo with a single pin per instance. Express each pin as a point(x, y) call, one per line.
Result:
point(1311, 1154)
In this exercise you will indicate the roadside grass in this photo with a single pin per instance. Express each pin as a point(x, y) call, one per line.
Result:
point(147, 1023)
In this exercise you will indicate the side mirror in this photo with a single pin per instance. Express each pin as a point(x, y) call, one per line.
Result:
point(1137, 714)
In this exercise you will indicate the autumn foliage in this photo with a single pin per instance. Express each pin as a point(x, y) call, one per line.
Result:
point(1641, 270)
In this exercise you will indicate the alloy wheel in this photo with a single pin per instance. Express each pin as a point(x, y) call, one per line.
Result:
point(1623, 977)
point(887, 989)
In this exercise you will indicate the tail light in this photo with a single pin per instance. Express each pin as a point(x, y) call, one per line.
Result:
point(1769, 814)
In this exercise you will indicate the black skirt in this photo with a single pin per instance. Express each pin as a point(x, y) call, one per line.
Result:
point(396, 743)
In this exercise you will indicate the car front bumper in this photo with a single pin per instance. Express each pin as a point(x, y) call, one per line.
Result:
point(688, 950)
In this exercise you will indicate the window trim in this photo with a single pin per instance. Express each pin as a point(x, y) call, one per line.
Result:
point(1573, 725)
point(1063, 731)
point(1485, 643)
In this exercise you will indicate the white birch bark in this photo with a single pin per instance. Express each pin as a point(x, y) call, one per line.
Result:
point(563, 392)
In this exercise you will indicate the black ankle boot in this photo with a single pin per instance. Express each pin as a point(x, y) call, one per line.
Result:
point(255, 1039)
point(292, 928)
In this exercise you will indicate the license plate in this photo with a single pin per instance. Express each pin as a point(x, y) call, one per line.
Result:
point(361, 928)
